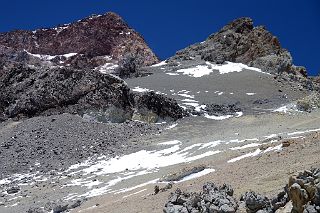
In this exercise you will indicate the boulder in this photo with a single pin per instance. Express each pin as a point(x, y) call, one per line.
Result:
point(151, 107)
point(304, 191)
point(256, 203)
point(13, 190)
point(212, 199)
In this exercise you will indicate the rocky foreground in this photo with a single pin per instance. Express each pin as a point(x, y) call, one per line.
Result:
point(301, 194)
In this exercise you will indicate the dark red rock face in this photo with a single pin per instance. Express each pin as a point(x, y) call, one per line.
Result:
point(93, 36)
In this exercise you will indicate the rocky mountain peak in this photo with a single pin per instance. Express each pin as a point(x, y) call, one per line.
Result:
point(240, 25)
point(241, 42)
point(97, 35)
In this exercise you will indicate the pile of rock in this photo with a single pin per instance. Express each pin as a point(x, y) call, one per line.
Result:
point(301, 195)
point(212, 199)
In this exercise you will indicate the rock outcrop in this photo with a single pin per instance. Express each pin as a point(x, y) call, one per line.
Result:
point(152, 107)
point(309, 103)
point(91, 39)
point(220, 110)
point(28, 91)
point(241, 42)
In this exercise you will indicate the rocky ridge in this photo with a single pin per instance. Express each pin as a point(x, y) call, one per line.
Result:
point(241, 42)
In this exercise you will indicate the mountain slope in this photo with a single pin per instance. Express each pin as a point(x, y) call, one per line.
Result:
point(241, 65)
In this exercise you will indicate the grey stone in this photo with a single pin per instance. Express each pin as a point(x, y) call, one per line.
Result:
point(13, 190)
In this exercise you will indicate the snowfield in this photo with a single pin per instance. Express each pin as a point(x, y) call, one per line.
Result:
point(228, 67)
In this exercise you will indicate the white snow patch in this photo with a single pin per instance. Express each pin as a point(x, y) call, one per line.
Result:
point(243, 140)
point(146, 160)
point(251, 154)
point(61, 28)
point(171, 73)
point(94, 16)
point(199, 108)
point(271, 136)
point(303, 132)
point(210, 144)
point(197, 72)
point(282, 109)
point(50, 57)
point(191, 104)
point(276, 148)
point(162, 63)
point(218, 118)
point(107, 67)
point(172, 126)
point(189, 100)
point(197, 175)
point(137, 186)
point(186, 95)
point(250, 93)
point(246, 146)
point(256, 153)
point(229, 67)
point(4, 181)
point(139, 89)
point(222, 117)
point(287, 108)
point(239, 114)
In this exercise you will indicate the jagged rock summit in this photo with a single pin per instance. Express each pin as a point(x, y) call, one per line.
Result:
point(98, 35)
point(241, 42)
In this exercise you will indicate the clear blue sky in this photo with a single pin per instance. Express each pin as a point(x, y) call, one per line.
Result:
point(169, 25)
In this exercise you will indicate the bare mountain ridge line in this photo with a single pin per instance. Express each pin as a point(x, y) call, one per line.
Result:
point(108, 34)
point(242, 42)
point(100, 35)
